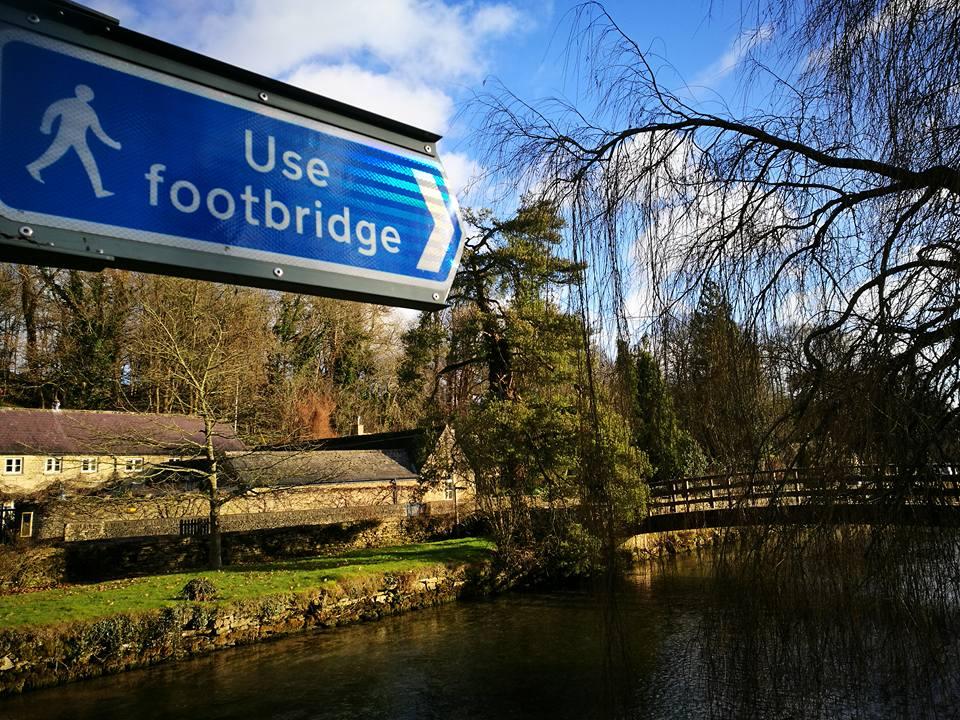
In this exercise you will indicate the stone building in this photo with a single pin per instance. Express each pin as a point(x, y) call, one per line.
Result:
point(40, 449)
point(443, 472)
point(55, 453)
point(87, 476)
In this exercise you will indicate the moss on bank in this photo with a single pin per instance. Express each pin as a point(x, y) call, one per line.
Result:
point(331, 574)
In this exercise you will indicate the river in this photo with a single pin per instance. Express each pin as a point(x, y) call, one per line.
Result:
point(520, 655)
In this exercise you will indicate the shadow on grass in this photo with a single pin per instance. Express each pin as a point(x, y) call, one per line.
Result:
point(456, 551)
point(86, 602)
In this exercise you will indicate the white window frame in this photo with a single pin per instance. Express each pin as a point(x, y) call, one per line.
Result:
point(89, 465)
point(26, 525)
point(53, 466)
point(133, 464)
point(13, 466)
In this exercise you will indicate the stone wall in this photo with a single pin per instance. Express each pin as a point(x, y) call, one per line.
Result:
point(111, 529)
point(89, 518)
point(114, 529)
point(40, 657)
point(674, 542)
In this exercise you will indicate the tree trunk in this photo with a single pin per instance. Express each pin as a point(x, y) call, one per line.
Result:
point(214, 546)
point(29, 296)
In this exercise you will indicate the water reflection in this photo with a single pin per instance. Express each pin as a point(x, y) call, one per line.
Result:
point(835, 622)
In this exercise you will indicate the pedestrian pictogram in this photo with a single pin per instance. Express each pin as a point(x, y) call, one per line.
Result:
point(76, 118)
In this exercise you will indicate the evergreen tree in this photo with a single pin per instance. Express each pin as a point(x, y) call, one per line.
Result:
point(526, 428)
point(722, 395)
point(655, 428)
point(423, 393)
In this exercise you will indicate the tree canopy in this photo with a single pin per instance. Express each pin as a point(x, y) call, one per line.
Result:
point(825, 197)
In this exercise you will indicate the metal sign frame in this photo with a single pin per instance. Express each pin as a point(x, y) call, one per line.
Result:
point(50, 246)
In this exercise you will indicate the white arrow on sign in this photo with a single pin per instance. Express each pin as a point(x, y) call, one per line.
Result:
point(442, 234)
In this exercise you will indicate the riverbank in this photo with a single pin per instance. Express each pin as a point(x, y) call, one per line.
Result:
point(531, 654)
point(653, 546)
point(58, 636)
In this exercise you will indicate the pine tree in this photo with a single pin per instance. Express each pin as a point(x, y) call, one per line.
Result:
point(655, 428)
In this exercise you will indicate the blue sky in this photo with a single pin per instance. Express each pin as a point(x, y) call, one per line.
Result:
point(420, 61)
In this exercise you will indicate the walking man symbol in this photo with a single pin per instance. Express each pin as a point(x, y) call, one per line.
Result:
point(76, 117)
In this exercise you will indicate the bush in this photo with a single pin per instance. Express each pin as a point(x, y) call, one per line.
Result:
point(23, 567)
point(575, 552)
point(199, 590)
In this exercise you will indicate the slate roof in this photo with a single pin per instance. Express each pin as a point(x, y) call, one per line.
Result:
point(75, 432)
point(308, 467)
point(413, 442)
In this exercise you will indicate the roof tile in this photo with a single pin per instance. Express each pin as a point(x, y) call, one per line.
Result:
point(73, 432)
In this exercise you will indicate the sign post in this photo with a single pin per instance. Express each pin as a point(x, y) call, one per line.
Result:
point(119, 150)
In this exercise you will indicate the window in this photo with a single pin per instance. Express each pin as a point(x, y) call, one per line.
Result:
point(53, 465)
point(450, 489)
point(26, 524)
point(88, 465)
point(133, 465)
point(13, 466)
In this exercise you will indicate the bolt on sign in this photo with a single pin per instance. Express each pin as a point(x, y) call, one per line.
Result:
point(119, 150)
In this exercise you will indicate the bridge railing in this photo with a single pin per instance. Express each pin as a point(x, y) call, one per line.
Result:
point(870, 484)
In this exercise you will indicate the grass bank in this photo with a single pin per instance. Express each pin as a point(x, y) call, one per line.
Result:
point(90, 602)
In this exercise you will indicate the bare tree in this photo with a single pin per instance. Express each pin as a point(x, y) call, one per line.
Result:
point(338, 358)
point(195, 341)
point(11, 326)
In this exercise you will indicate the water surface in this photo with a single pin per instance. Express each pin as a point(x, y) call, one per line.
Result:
point(560, 654)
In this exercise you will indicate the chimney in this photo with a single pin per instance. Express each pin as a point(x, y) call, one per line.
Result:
point(358, 427)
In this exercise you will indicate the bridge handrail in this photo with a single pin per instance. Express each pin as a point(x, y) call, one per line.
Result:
point(854, 482)
point(857, 471)
point(858, 484)
point(945, 469)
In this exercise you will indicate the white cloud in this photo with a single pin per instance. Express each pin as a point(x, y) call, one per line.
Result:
point(495, 20)
point(425, 39)
point(735, 54)
point(462, 171)
point(388, 94)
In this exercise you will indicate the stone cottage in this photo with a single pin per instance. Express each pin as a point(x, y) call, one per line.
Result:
point(57, 453)
point(88, 476)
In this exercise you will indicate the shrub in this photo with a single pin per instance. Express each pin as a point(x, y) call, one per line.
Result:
point(199, 590)
point(28, 568)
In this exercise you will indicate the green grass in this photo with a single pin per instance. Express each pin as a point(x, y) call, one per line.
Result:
point(85, 602)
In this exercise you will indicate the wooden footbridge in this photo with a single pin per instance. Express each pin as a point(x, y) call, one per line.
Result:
point(862, 495)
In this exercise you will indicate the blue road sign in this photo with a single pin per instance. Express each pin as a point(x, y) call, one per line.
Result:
point(97, 145)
